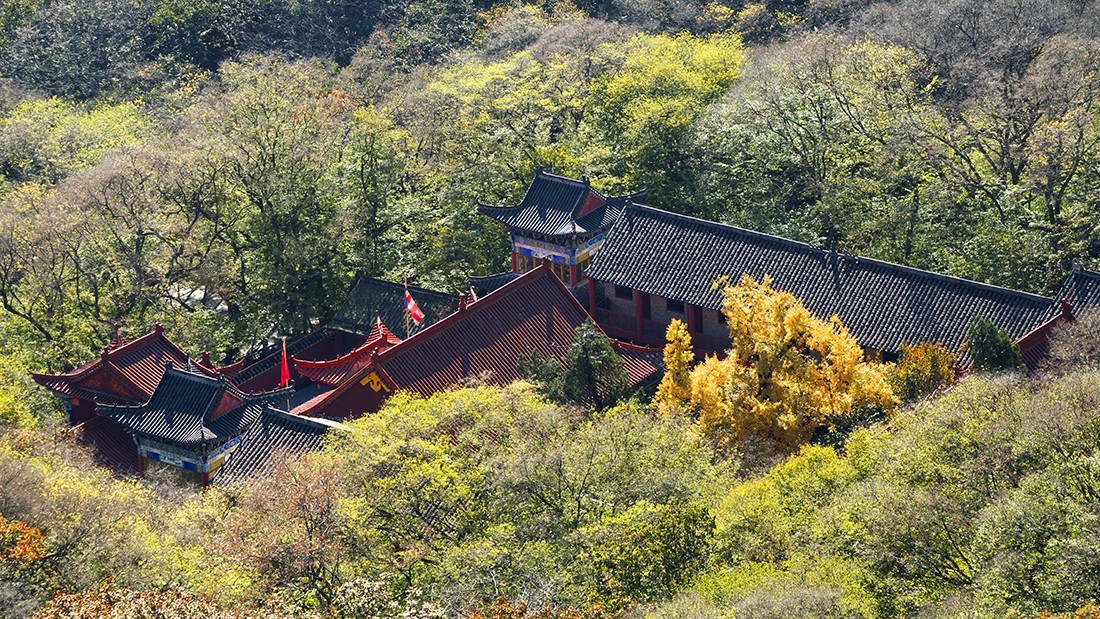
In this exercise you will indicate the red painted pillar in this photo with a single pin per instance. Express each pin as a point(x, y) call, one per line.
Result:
point(690, 311)
point(141, 467)
point(639, 316)
point(592, 297)
point(572, 275)
point(514, 269)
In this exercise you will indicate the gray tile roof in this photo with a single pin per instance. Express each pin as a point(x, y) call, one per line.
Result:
point(883, 305)
point(357, 314)
point(484, 284)
point(1082, 290)
point(274, 436)
point(552, 204)
point(191, 409)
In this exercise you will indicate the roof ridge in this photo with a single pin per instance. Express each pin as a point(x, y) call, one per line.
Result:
point(827, 253)
point(1084, 272)
point(412, 287)
point(578, 183)
point(355, 353)
point(305, 419)
point(494, 296)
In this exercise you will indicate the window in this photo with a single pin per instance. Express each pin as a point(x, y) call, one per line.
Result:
point(674, 306)
point(623, 293)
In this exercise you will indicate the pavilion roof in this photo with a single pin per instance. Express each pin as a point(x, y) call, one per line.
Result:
point(124, 373)
point(191, 409)
point(332, 372)
point(884, 305)
point(559, 206)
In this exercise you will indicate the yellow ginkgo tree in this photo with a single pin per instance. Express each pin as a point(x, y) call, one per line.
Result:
point(674, 392)
point(787, 374)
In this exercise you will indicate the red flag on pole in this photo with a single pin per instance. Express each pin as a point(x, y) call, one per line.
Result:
point(412, 308)
point(284, 370)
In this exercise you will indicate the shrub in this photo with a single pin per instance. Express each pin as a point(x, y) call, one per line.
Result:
point(991, 347)
point(923, 369)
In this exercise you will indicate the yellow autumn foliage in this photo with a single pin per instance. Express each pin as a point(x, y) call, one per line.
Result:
point(786, 374)
point(674, 392)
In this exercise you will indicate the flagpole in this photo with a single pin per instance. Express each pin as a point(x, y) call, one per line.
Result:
point(288, 373)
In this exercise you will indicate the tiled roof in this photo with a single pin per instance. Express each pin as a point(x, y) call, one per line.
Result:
point(123, 374)
point(275, 435)
point(109, 445)
point(884, 305)
point(332, 372)
point(484, 284)
point(191, 409)
point(1035, 344)
point(642, 364)
point(371, 298)
point(244, 371)
point(1082, 290)
point(559, 206)
point(535, 311)
point(1080, 294)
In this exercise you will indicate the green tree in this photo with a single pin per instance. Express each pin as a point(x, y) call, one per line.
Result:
point(594, 372)
point(645, 110)
point(991, 348)
point(277, 131)
point(650, 552)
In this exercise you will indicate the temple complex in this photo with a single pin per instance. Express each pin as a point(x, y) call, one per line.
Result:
point(349, 329)
point(575, 255)
point(560, 219)
point(483, 340)
point(197, 425)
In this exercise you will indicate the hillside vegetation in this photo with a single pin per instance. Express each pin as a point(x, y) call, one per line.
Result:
point(229, 168)
point(161, 159)
point(971, 505)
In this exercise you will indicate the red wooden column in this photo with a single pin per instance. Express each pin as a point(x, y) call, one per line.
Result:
point(572, 275)
point(514, 261)
point(639, 315)
point(592, 297)
point(690, 311)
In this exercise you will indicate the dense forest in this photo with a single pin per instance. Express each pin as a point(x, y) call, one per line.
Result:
point(229, 168)
point(165, 159)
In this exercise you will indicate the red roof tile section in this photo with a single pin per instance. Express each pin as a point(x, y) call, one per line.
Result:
point(109, 445)
point(333, 372)
point(484, 339)
point(123, 374)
